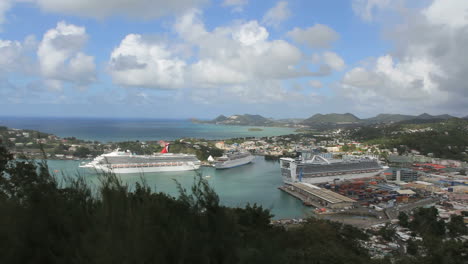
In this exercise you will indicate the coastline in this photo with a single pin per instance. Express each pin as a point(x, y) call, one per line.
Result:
point(119, 130)
point(28, 143)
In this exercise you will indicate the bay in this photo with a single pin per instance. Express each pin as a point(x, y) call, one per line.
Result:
point(131, 129)
point(257, 182)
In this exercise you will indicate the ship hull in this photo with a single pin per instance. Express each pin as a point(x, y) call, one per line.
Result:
point(234, 163)
point(145, 169)
point(325, 179)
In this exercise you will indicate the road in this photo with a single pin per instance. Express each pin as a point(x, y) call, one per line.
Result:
point(392, 213)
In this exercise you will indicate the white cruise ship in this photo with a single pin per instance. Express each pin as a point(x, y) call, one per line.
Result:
point(314, 169)
point(121, 162)
point(233, 159)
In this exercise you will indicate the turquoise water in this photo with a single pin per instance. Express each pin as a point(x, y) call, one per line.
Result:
point(105, 129)
point(257, 182)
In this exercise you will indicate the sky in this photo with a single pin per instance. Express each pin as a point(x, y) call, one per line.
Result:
point(202, 58)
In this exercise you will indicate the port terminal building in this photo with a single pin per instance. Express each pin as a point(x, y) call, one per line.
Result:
point(403, 175)
point(318, 197)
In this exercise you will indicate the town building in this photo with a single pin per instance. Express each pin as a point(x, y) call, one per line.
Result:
point(403, 175)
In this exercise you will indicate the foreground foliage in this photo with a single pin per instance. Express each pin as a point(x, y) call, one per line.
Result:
point(440, 241)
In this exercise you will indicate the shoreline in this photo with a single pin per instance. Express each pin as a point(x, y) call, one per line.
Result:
point(144, 128)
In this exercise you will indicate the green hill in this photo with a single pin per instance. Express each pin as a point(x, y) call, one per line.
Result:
point(393, 118)
point(443, 138)
point(242, 120)
point(427, 116)
point(325, 121)
point(388, 118)
point(319, 119)
point(220, 118)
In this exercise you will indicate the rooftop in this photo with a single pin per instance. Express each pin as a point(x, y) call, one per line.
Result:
point(406, 192)
point(324, 194)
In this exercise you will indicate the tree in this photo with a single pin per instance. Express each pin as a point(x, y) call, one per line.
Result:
point(403, 219)
point(412, 247)
point(456, 226)
point(387, 232)
point(82, 152)
point(425, 223)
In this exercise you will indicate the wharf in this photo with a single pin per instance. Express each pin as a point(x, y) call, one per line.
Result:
point(312, 195)
point(299, 196)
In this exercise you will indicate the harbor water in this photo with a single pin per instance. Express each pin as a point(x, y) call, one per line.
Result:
point(256, 182)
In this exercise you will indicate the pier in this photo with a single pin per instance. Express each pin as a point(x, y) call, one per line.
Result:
point(312, 195)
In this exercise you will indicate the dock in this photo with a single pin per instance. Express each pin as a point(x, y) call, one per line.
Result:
point(315, 196)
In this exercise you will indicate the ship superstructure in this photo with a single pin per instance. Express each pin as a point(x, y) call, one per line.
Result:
point(125, 162)
point(233, 159)
point(310, 168)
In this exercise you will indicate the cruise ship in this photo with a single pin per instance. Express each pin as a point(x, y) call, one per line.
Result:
point(310, 168)
point(233, 159)
point(121, 162)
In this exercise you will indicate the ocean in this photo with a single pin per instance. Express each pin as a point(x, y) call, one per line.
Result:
point(257, 182)
point(108, 129)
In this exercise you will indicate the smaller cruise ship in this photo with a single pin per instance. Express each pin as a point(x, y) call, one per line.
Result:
point(233, 159)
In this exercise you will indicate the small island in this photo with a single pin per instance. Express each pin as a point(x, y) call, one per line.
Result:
point(255, 129)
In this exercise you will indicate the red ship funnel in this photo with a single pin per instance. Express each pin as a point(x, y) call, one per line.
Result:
point(165, 149)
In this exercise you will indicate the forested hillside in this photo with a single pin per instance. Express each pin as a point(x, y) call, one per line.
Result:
point(445, 139)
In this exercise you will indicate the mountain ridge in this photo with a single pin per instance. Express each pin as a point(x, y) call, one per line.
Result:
point(319, 120)
point(335, 118)
point(242, 120)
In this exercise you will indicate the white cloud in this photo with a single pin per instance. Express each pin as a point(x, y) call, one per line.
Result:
point(277, 14)
point(236, 5)
point(366, 8)
point(426, 71)
point(241, 59)
point(317, 36)
point(315, 84)
point(256, 92)
point(11, 55)
point(236, 61)
point(190, 27)
point(333, 60)
point(53, 85)
point(144, 62)
point(146, 9)
point(405, 80)
point(61, 59)
point(136, 9)
point(329, 61)
point(250, 33)
point(237, 54)
point(5, 5)
point(452, 13)
point(14, 56)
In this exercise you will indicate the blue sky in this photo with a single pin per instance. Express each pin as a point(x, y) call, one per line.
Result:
point(201, 58)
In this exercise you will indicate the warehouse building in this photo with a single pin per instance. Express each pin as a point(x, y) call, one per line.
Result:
point(319, 197)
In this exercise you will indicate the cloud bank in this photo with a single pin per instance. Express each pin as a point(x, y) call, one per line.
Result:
point(426, 70)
